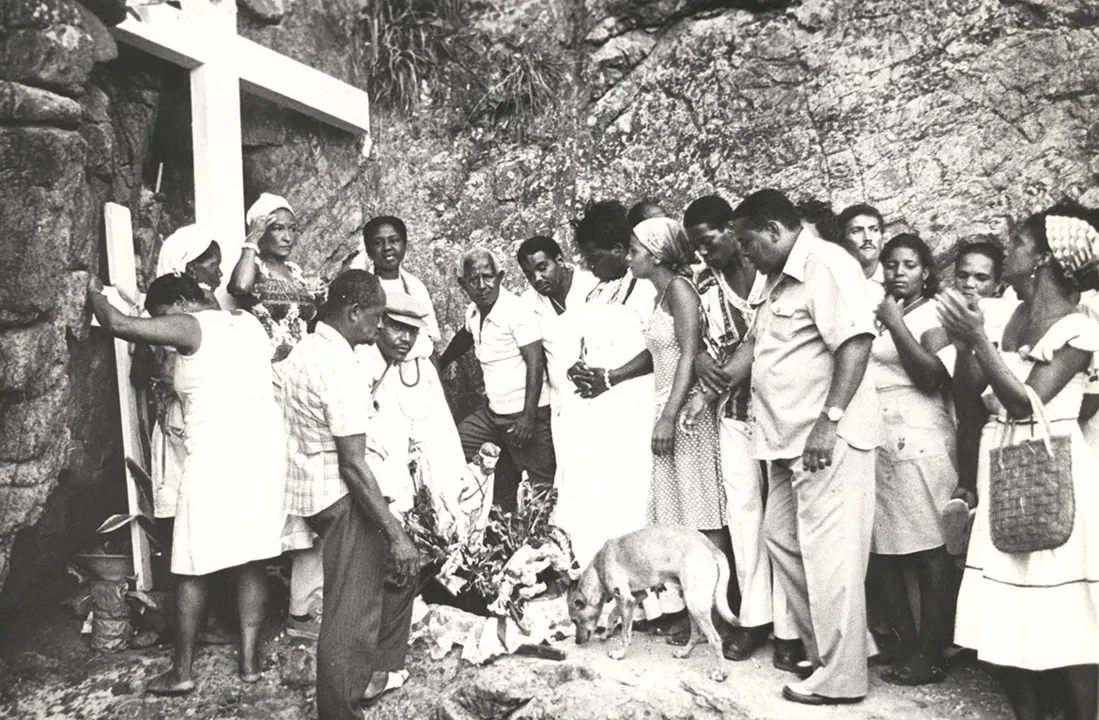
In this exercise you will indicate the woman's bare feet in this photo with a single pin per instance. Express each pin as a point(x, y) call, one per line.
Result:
point(170, 683)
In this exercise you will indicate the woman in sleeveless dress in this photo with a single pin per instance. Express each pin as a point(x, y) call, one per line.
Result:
point(916, 470)
point(1035, 615)
point(686, 485)
point(187, 251)
point(229, 513)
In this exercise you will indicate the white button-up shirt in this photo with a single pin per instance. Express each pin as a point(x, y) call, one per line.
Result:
point(561, 333)
point(509, 325)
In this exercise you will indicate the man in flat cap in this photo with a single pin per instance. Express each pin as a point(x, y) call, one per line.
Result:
point(409, 397)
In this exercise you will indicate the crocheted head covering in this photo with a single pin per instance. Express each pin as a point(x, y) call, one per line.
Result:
point(265, 205)
point(1073, 242)
point(665, 240)
point(180, 248)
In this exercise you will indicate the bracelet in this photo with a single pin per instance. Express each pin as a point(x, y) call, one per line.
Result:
point(250, 246)
point(607, 378)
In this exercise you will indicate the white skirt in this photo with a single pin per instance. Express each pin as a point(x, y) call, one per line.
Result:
point(1035, 611)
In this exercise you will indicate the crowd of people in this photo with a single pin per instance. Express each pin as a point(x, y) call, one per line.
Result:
point(776, 376)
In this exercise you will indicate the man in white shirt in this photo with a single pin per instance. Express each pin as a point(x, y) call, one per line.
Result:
point(864, 228)
point(557, 292)
point(503, 333)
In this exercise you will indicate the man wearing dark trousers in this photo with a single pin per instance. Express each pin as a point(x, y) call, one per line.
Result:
point(503, 333)
point(370, 564)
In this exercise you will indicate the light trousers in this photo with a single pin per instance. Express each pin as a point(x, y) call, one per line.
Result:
point(307, 580)
point(762, 601)
point(817, 528)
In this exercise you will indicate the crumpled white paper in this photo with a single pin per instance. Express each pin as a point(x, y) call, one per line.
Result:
point(483, 638)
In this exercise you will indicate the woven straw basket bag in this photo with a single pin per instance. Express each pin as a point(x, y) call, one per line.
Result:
point(1031, 505)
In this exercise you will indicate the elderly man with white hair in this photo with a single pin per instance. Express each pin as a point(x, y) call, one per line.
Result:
point(503, 333)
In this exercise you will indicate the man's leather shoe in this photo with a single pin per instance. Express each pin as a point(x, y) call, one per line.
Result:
point(743, 642)
point(798, 694)
point(788, 653)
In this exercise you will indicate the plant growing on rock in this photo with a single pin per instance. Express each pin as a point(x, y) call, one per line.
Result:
point(414, 51)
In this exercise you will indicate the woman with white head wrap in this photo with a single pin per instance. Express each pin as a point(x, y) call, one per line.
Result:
point(187, 251)
point(276, 291)
point(686, 487)
point(268, 285)
point(1035, 614)
point(190, 251)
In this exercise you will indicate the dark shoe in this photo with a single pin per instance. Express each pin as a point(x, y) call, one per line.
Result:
point(672, 624)
point(742, 642)
point(788, 653)
point(307, 627)
point(796, 693)
point(916, 671)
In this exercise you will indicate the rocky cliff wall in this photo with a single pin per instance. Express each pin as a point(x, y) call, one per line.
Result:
point(951, 116)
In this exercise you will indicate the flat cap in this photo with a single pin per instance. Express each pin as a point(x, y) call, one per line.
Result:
point(404, 308)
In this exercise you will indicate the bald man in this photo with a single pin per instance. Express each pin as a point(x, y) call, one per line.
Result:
point(503, 333)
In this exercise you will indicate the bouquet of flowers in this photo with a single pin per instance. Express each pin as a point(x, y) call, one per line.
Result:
point(520, 555)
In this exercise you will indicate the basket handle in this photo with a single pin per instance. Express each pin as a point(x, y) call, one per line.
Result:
point(1039, 413)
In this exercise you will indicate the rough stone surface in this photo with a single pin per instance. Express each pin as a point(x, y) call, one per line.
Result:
point(60, 470)
point(59, 57)
point(21, 104)
point(588, 685)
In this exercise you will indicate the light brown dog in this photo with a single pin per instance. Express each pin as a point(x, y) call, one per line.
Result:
point(644, 559)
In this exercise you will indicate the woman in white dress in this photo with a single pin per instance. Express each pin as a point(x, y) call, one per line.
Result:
point(1036, 615)
point(229, 513)
point(916, 467)
point(187, 251)
point(604, 492)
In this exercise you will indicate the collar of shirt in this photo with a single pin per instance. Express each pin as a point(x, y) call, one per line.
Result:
point(499, 309)
point(794, 268)
point(332, 335)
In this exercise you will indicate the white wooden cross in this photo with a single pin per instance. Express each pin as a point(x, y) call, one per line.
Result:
point(202, 38)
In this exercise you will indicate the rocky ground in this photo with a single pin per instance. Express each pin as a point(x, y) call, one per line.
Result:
point(47, 671)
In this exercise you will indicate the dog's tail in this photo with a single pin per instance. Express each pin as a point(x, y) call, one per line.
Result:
point(721, 590)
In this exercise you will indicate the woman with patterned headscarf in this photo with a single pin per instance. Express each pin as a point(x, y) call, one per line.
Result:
point(686, 485)
point(1035, 614)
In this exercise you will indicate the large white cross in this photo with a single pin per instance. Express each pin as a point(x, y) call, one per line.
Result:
point(202, 37)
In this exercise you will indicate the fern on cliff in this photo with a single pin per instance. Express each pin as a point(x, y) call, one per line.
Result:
point(417, 51)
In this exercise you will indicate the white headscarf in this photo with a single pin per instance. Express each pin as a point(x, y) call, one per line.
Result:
point(180, 248)
point(265, 205)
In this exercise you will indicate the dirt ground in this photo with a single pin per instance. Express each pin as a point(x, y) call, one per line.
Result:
point(48, 671)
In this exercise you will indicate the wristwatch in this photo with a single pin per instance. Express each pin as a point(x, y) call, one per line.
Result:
point(834, 414)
